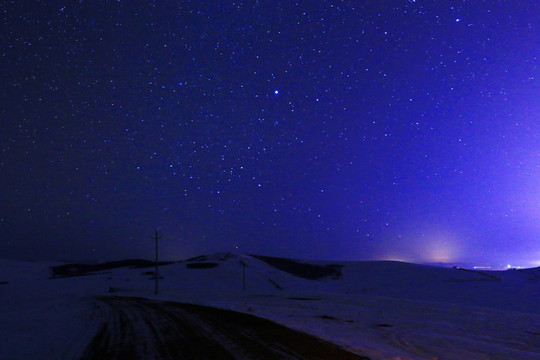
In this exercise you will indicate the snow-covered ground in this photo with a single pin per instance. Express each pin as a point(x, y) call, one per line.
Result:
point(384, 310)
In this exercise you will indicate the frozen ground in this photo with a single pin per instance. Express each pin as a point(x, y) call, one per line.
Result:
point(140, 328)
point(384, 310)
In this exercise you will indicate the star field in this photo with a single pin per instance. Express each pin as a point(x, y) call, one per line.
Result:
point(332, 129)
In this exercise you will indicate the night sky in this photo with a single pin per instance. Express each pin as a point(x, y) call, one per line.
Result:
point(358, 130)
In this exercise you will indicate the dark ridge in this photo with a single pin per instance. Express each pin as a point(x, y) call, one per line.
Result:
point(204, 265)
point(327, 317)
point(488, 276)
point(3, 282)
point(85, 269)
point(303, 270)
point(198, 258)
point(219, 256)
point(276, 285)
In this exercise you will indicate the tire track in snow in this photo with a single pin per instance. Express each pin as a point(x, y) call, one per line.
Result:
point(138, 328)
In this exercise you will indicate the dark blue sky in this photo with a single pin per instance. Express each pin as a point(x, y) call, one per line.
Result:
point(318, 129)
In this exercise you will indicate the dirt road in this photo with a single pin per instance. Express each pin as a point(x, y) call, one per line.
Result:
point(139, 328)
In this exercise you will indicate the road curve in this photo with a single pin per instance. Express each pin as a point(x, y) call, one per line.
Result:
point(138, 328)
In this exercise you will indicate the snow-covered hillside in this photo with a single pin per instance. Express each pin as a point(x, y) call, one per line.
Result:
point(381, 309)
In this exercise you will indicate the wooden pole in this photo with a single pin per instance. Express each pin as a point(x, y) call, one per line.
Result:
point(243, 274)
point(156, 237)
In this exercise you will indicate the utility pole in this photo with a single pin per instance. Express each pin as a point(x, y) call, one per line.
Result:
point(156, 237)
point(244, 265)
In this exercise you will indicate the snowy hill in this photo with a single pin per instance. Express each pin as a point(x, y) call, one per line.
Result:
point(382, 309)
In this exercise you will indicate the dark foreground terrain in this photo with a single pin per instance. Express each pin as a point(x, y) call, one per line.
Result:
point(138, 328)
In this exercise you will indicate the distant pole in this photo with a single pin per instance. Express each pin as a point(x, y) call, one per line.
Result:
point(243, 274)
point(156, 237)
